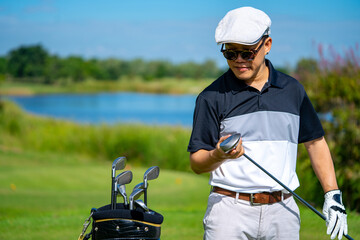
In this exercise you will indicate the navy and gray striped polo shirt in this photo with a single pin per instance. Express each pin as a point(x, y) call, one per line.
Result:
point(272, 122)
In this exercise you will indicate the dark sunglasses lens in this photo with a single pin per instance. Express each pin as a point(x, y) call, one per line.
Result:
point(233, 55)
point(247, 55)
point(230, 55)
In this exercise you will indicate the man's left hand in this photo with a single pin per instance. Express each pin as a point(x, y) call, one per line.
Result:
point(335, 214)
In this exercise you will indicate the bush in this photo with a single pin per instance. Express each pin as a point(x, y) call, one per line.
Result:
point(334, 89)
point(142, 145)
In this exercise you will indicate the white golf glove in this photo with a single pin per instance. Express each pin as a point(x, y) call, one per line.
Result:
point(335, 214)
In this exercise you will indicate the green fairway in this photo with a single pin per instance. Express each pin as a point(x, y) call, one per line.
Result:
point(48, 196)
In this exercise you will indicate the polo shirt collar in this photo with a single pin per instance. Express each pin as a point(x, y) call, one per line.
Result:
point(274, 78)
point(237, 85)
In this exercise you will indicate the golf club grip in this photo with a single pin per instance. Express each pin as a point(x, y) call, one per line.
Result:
point(290, 191)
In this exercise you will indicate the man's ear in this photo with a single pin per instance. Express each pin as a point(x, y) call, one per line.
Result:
point(268, 44)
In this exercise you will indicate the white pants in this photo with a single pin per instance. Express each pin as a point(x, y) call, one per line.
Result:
point(228, 219)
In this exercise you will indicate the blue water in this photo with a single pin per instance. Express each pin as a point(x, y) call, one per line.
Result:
point(111, 108)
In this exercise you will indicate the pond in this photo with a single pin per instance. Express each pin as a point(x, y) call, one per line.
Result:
point(111, 108)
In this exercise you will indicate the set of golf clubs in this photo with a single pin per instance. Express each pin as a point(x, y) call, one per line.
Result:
point(119, 181)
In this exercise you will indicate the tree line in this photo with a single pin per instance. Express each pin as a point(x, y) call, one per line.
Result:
point(35, 64)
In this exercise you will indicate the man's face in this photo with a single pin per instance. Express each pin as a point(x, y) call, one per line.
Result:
point(249, 70)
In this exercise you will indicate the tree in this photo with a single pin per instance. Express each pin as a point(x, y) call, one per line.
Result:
point(74, 67)
point(333, 85)
point(27, 61)
point(3, 64)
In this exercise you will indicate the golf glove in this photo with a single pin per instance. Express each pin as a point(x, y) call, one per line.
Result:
point(335, 214)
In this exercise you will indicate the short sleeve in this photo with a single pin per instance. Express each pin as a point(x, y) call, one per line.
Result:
point(205, 131)
point(310, 125)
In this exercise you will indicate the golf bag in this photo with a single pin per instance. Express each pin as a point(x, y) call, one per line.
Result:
point(117, 221)
point(122, 223)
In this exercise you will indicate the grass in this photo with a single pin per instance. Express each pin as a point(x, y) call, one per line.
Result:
point(48, 196)
point(134, 84)
point(29, 132)
point(53, 172)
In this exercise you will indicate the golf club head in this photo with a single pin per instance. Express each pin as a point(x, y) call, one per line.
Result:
point(230, 143)
point(120, 181)
point(142, 205)
point(139, 186)
point(134, 196)
point(124, 178)
point(118, 164)
point(122, 192)
point(151, 174)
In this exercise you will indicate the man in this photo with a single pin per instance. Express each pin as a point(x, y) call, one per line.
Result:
point(273, 114)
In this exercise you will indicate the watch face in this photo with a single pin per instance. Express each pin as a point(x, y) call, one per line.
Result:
point(230, 143)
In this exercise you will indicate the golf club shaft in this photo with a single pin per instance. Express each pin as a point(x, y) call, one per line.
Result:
point(113, 200)
point(290, 191)
point(112, 191)
point(145, 196)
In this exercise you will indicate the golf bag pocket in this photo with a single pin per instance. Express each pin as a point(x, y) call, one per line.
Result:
point(122, 223)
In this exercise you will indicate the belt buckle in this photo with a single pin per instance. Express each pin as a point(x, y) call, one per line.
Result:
point(252, 203)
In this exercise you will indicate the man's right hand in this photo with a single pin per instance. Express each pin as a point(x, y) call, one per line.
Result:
point(204, 161)
point(233, 154)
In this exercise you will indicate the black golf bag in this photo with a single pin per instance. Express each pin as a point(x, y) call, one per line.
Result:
point(119, 221)
point(122, 223)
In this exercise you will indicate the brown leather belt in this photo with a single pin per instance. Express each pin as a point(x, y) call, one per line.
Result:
point(256, 198)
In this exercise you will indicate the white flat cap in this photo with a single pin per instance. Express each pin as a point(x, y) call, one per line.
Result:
point(245, 25)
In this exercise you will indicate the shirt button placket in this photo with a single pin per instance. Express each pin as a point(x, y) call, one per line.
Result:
point(260, 107)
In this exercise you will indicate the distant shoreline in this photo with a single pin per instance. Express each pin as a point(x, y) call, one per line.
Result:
point(161, 86)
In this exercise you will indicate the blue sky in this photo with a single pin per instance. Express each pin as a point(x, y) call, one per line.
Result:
point(177, 31)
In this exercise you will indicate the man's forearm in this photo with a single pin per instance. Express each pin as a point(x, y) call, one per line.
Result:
point(204, 161)
point(322, 163)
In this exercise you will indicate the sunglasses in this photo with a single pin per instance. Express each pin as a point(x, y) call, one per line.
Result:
point(247, 55)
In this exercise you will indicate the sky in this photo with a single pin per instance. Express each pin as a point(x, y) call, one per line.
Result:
point(175, 31)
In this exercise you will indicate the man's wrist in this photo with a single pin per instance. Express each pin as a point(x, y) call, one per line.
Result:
point(330, 191)
point(215, 156)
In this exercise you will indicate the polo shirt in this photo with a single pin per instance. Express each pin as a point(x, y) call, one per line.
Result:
point(272, 122)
